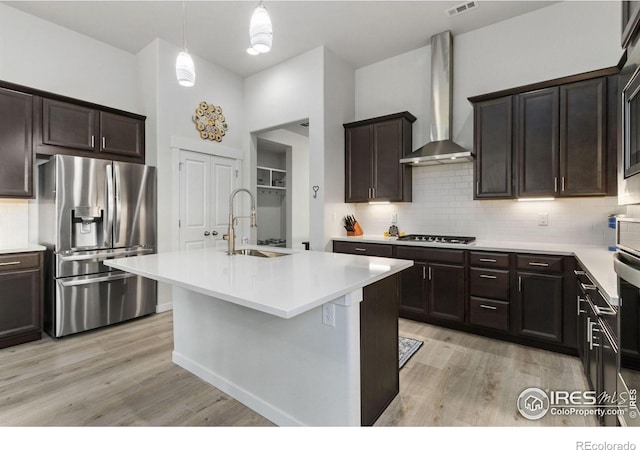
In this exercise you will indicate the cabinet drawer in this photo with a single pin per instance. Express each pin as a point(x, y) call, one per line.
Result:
point(489, 283)
point(19, 261)
point(539, 263)
point(363, 249)
point(430, 254)
point(489, 313)
point(484, 259)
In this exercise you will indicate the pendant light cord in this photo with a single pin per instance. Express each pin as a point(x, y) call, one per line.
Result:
point(184, 26)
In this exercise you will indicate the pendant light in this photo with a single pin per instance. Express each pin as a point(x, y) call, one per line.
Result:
point(260, 31)
point(185, 70)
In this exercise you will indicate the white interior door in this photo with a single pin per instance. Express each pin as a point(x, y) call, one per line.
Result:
point(205, 185)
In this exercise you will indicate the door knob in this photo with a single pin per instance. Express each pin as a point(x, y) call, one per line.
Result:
point(214, 232)
point(206, 233)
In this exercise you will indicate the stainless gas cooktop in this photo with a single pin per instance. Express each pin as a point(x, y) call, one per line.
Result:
point(437, 239)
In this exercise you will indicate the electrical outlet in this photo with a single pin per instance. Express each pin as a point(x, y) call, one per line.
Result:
point(329, 314)
point(394, 217)
point(543, 219)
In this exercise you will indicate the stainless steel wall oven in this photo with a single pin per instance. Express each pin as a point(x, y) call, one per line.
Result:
point(627, 267)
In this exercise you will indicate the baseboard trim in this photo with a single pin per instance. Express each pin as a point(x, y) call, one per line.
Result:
point(164, 307)
point(248, 399)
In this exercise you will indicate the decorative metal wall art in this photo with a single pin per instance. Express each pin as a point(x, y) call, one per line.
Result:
point(210, 122)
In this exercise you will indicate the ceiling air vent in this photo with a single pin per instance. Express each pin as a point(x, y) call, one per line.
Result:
point(463, 7)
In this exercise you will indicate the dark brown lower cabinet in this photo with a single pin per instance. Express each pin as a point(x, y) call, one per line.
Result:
point(539, 306)
point(413, 287)
point(446, 292)
point(379, 377)
point(20, 298)
point(433, 291)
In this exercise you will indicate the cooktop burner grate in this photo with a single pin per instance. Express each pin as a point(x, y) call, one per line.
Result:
point(438, 238)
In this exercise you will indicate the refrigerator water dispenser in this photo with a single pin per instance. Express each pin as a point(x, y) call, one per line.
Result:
point(86, 227)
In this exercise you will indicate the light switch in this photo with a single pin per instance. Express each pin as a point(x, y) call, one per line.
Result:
point(394, 217)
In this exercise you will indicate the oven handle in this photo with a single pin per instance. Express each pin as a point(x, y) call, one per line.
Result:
point(106, 278)
point(626, 271)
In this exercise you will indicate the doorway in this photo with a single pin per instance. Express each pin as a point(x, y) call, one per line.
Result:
point(282, 185)
point(206, 182)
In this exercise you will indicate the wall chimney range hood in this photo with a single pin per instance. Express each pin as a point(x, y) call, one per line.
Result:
point(441, 149)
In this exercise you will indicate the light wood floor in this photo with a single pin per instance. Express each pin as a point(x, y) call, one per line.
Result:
point(123, 375)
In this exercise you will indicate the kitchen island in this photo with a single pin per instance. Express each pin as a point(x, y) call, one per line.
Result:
point(281, 335)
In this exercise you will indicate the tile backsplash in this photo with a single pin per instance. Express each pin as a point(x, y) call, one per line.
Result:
point(14, 223)
point(443, 204)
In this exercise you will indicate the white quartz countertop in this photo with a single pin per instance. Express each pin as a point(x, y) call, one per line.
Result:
point(26, 249)
point(284, 286)
point(597, 261)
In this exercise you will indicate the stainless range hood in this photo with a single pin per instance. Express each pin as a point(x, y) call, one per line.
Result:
point(441, 149)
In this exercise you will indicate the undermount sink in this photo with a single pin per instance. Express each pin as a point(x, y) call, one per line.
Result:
point(260, 253)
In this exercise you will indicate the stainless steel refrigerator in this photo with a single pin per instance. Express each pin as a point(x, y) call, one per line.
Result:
point(91, 210)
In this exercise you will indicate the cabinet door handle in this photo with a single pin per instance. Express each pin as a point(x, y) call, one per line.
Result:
point(12, 263)
point(429, 272)
point(93, 141)
point(587, 287)
point(592, 328)
point(104, 142)
point(492, 277)
point(487, 260)
point(580, 311)
point(562, 184)
point(493, 308)
point(520, 284)
point(358, 249)
point(424, 273)
point(539, 264)
point(555, 184)
point(579, 272)
point(607, 311)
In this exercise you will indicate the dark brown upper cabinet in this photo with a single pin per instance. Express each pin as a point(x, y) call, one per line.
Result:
point(83, 130)
point(373, 149)
point(68, 125)
point(537, 142)
point(493, 143)
point(121, 135)
point(16, 154)
point(62, 126)
point(551, 139)
point(630, 21)
point(583, 138)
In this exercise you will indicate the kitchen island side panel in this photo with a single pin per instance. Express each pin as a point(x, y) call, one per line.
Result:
point(295, 371)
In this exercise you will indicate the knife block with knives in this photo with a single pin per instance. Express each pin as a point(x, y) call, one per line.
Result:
point(352, 226)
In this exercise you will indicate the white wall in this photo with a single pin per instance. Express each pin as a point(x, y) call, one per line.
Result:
point(42, 55)
point(563, 39)
point(290, 92)
point(339, 98)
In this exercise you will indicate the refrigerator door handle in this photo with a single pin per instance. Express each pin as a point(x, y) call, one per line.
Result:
point(109, 227)
point(118, 197)
point(105, 255)
point(114, 277)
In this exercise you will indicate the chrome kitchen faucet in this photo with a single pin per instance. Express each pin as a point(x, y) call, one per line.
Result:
point(231, 234)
